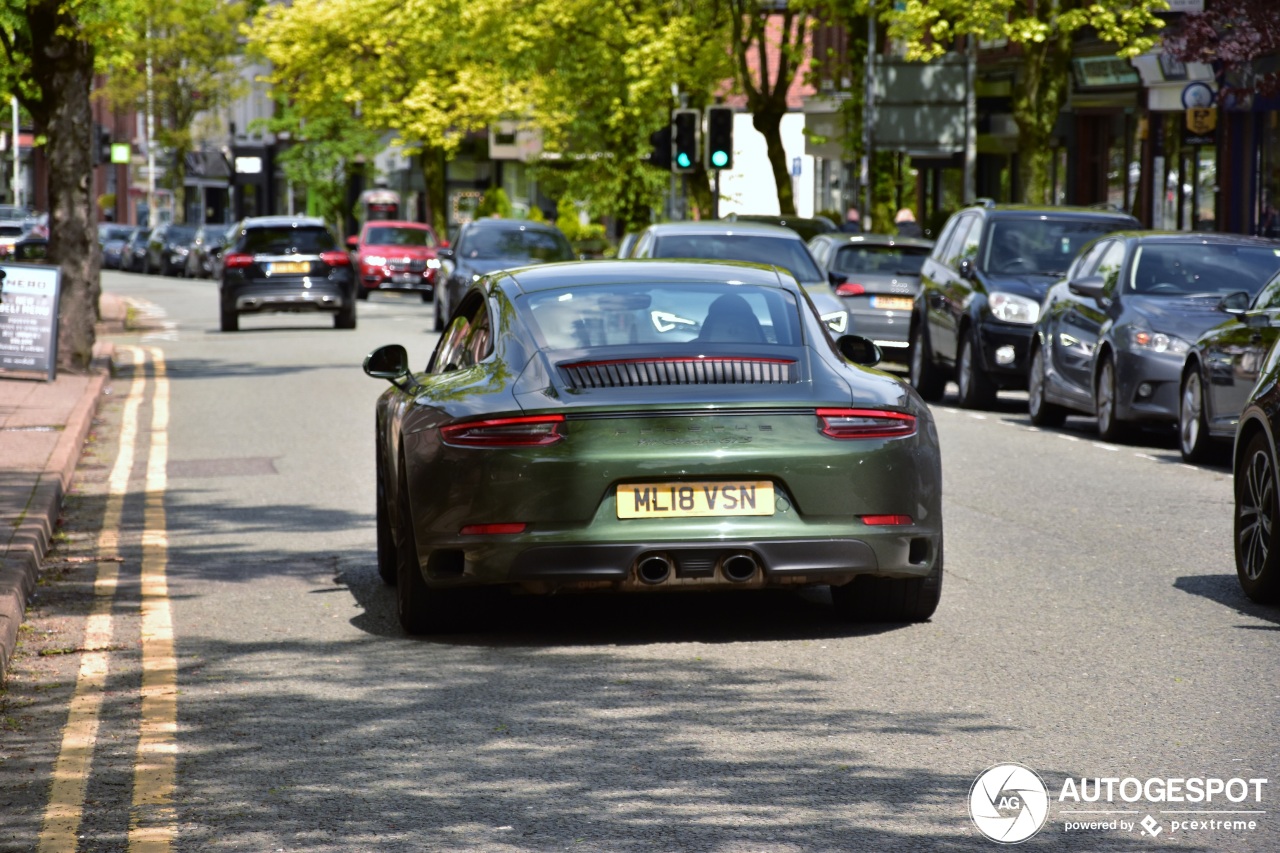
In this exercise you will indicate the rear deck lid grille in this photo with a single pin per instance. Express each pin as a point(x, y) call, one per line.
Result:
point(639, 372)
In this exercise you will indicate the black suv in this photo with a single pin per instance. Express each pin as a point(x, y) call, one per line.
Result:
point(286, 263)
point(167, 249)
point(981, 289)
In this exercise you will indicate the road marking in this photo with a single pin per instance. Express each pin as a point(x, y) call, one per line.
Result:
point(1066, 437)
point(71, 770)
point(152, 820)
point(1102, 446)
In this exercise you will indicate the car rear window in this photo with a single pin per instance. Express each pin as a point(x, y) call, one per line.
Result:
point(882, 260)
point(519, 244)
point(666, 314)
point(11, 231)
point(386, 236)
point(791, 255)
point(286, 240)
point(1179, 269)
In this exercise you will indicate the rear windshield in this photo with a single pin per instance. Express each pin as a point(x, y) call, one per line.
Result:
point(667, 314)
point(286, 240)
point(790, 255)
point(519, 244)
point(384, 236)
point(11, 231)
point(116, 232)
point(1041, 246)
point(1179, 269)
point(882, 260)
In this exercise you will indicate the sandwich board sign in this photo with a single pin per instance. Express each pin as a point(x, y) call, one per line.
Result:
point(29, 320)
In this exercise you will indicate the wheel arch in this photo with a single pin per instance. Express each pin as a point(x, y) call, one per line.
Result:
point(1251, 424)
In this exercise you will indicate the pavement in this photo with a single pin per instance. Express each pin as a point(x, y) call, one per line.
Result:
point(43, 427)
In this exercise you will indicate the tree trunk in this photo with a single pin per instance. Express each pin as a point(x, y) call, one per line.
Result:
point(63, 72)
point(769, 123)
point(433, 175)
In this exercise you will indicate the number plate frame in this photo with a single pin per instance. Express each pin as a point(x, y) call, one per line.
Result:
point(289, 267)
point(701, 499)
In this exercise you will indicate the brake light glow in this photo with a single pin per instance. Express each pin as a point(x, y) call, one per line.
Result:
point(336, 258)
point(886, 519)
point(237, 260)
point(506, 528)
point(529, 431)
point(865, 423)
point(850, 288)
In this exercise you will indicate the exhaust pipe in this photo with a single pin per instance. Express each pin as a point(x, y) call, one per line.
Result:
point(739, 568)
point(654, 569)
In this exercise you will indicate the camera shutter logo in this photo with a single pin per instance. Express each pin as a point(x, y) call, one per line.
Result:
point(1009, 803)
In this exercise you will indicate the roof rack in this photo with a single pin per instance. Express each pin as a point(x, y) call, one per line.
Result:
point(983, 202)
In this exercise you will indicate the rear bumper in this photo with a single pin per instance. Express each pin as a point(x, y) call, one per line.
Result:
point(319, 297)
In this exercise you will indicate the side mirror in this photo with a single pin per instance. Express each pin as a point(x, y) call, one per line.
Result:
point(1090, 286)
point(444, 253)
point(966, 269)
point(859, 350)
point(353, 241)
point(390, 362)
point(837, 278)
point(1235, 304)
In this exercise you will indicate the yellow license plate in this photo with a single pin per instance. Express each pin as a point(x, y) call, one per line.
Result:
point(290, 267)
point(685, 500)
point(893, 303)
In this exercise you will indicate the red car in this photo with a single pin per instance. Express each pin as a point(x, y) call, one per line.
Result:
point(393, 255)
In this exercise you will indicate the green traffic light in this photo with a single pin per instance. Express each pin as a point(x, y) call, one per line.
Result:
point(683, 160)
point(719, 159)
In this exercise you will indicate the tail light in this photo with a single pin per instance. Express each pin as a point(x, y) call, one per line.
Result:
point(850, 288)
point(500, 529)
point(865, 423)
point(532, 431)
point(889, 520)
point(237, 260)
point(336, 258)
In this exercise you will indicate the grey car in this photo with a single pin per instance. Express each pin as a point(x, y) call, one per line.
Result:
point(752, 242)
point(877, 276)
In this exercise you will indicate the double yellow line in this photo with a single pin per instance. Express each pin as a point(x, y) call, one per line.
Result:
point(152, 818)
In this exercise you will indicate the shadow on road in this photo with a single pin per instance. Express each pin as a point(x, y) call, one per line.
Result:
point(1225, 590)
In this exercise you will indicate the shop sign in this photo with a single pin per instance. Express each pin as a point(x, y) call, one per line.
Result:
point(1100, 72)
point(1202, 115)
point(29, 320)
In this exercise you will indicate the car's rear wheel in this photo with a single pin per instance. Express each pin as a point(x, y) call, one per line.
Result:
point(421, 609)
point(387, 565)
point(868, 598)
point(362, 293)
point(1257, 521)
point(976, 389)
point(1193, 422)
point(925, 376)
point(1110, 428)
point(1042, 413)
point(230, 319)
point(346, 316)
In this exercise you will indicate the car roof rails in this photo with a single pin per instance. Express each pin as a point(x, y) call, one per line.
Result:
point(983, 202)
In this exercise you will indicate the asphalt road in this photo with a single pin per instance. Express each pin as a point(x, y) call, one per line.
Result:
point(1090, 626)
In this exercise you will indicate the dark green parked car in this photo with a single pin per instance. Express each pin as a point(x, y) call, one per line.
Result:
point(642, 426)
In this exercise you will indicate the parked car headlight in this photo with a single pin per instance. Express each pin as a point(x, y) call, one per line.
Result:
point(837, 321)
point(375, 260)
point(1145, 340)
point(1009, 308)
point(433, 263)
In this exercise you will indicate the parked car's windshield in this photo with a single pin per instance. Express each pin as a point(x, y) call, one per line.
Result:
point(789, 254)
point(286, 240)
point(385, 236)
point(521, 244)
point(664, 314)
point(1041, 246)
point(1177, 269)
point(180, 233)
point(881, 260)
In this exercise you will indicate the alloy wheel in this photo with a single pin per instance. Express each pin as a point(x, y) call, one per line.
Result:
point(1106, 398)
point(1189, 414)
point(1256, 508)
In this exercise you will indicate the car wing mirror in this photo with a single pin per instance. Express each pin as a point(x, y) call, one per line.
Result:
point(444, 253)
point(1090, 286)
point(353, 241)
point(859, 350)
point(390, 362)
point(1236, 304)
point(966, 269)
point(836, 278)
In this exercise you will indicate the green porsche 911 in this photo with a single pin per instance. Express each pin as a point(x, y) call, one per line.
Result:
point(647, 426)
